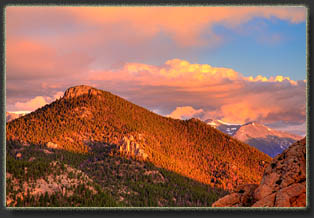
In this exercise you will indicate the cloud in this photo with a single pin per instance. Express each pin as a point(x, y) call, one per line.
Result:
point(173, 72)
point(49, 49)
point(184, 24)
point(182, 90)
point(185, 112)
point(30, 59)
point(32, 104)
point(47, 42)
point(279, 78)
point(216, 92)
point(58, 95)
point(36, 102)
point(298, 129)
point(221, 93)
point(181, 73)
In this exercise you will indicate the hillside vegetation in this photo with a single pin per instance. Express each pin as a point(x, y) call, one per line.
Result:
point(190, 148)
point(57, 178)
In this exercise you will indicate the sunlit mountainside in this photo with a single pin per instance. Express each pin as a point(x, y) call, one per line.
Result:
point(190, 106)
point(122, 150)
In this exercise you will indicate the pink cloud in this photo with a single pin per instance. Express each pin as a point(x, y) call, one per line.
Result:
point(29, 59)
point(185, 112)
point(173, 72)
point(32, 104)
point(36, 102)
point(221, 92)
point(183, 90)
point(51, 42)
point(68, 45)
point(181, 73)
point(183, 24)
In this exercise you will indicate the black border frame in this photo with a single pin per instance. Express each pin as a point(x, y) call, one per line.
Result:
point(79, 212)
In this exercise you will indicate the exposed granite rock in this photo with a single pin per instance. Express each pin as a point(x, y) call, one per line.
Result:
point(283, 183)
point(241, 197)
point(51, 145)
point(232, 200)
point(129, 146)
point(80, 90)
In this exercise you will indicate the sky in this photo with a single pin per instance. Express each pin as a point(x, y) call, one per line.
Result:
point(237, 64)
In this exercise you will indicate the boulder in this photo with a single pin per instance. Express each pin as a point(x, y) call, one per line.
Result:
point(228, 200)
point(262, 191)
point(285, 196)
point(266, 202)
point(283, 183)
point(241, 197)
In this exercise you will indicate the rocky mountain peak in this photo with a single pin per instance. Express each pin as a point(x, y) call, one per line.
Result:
point(80, 90)
point(283, 183)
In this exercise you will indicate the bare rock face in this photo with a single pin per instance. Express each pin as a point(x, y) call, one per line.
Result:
point(283, 183)
point(129, 146)
point(241, 197)
point(80, 90)
point(52, 145)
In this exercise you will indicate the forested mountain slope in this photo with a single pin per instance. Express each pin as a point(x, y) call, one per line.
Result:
point(87, 117)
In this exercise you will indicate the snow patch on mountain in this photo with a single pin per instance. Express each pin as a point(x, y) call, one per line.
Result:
point(267, 140)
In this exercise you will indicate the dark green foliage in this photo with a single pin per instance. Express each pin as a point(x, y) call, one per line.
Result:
point(35, 170)
point(164, 189)
point(104, 169)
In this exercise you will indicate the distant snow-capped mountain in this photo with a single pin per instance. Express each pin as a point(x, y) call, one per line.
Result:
point(267, 140)
point(227, 128)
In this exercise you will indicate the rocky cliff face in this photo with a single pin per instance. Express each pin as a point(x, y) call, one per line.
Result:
point(80, 90)
point(283, 183)
point(130, 147)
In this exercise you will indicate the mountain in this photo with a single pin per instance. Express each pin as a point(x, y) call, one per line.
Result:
point(227, 128)
point(13, 115)
point(267, 140)
point(130, 154)
point(283, 183)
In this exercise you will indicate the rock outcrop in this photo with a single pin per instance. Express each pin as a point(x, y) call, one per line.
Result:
point(18, 155)
point(52, 145)
point(80, 90)
point(129, 146)
point(283, 183)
